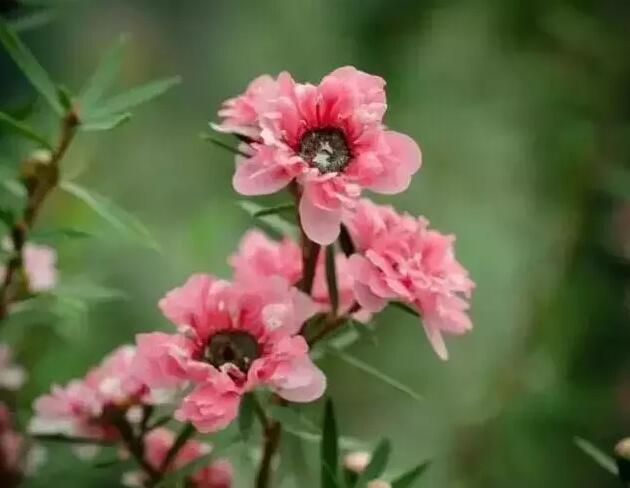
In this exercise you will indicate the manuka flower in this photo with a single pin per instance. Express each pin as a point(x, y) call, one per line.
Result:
point(259, 257)
point(87, 407)
point(232, 337)
point(39, 265)
point(400, 258)
point(217, 473)
point(330, 138)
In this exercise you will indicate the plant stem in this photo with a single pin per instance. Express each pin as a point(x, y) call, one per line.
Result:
point(332, 323)
point(271, 434)
point(186, 433)
point(310, 249)
point(39, 178)
point(135, 446)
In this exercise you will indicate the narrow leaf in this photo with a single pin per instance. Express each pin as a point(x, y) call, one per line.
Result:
point(36, 75)
point(107, 69)
point(223, 145)
point(124, 222)
point(331, 278)
point(65, 97)
point(290, 418)
point(21, 129)
point(329, 448)
point(56, 235)
point(105, 123)
point(137, 96)
point(597, 455)
point(287, 207)
point(246, 416)
point(407, 479)
point(33, 21)
point(372, 371)
point(273, 224)
point(7, 216)
point(377, 465)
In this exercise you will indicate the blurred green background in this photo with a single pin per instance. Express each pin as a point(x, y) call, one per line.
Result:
point(522, 110)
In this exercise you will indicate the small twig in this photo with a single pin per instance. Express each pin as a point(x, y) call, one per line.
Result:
point(271, 436)
point(310, 249)
point(186, 433)
point(135, 446)
point(332, 323)
point(71, 440)
point(40, 178)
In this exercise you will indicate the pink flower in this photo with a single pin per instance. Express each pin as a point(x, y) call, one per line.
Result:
point(329, 138)
point(83, 407)
point(259, 257)
point(39, 264)
point(12, 376)
point(217, 473)
point(12, 449)
point(232, 337)
point(400, 258)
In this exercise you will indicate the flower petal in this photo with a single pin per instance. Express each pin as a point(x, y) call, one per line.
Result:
point(400, 164)
point(320, 225)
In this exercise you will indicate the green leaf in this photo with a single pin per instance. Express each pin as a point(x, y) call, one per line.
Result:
point(246, 416)
point(125, 223)
point(329, 448)
point(372, 371)
point(60, 234)
point(597, 455)
point(84, 290)
point(33, 21)
point(107, 69)
point(405, 308)
point(105, 123)
point(21, 129)
point(65, 97)
point(287, 207)
point(223, 145)
point(331, 278)
point(270, 223)
point(7, 217)
point(36, 75)
point(137, 96)
point(377, 465)
point(290, 418)
point(407, 479)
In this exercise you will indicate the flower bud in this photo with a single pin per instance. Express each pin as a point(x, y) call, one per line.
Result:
point(622, 454)
point(34, 166)
point(622, 449)
point(356, 461)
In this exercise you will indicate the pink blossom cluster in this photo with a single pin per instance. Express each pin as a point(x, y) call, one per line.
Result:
point(88, 407)
point(400, 258)
point(231, 338)
point(157, 443)
point(329, 138)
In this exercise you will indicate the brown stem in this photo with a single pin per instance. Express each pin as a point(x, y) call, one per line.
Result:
point(186, 433)
point(310, 249)
point(271, 434)
point(40, 177)
point(135, 447)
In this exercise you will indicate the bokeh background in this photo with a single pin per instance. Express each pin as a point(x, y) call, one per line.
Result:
point(522, 109)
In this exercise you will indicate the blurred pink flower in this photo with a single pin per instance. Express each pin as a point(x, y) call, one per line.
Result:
point(39, 263)
point(232, 337)
point(259, 257)
point(400, 258)
point(83, 407)
point(12, 449)
point(217, 473)
point(12, 376)
point(330, 138)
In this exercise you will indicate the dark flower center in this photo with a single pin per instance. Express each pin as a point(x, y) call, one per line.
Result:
point(325, 149)
point(236, 347)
